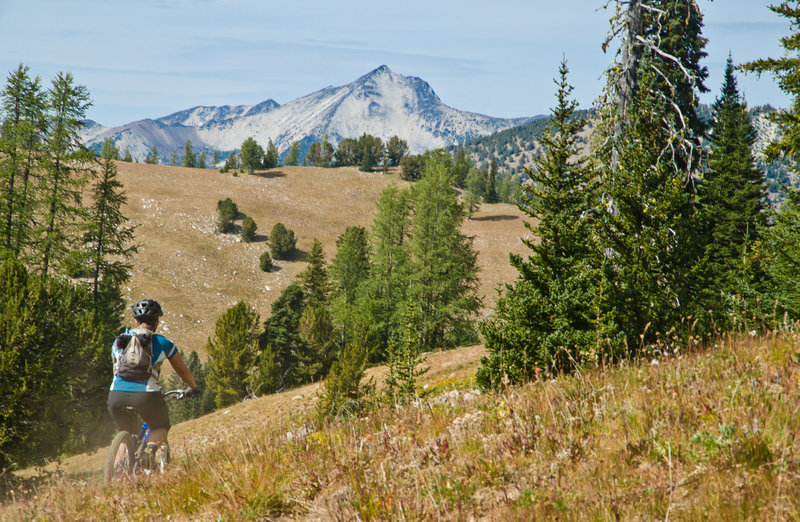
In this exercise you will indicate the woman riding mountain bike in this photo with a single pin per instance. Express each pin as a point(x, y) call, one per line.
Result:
point(138, 354)
point(127, 456)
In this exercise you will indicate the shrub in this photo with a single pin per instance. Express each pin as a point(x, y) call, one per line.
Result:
point(248, 229)
point(265, 261)
point(227, 211)
point(281, 241)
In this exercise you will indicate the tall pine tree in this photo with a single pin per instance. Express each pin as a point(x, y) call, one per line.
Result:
point(444, 272)
point(23, 110)
point(108, 235)
point(65, 173)
point(390, 261)
point(733, 199)
point(783, 246)
point(232, 353)
point(545, 319)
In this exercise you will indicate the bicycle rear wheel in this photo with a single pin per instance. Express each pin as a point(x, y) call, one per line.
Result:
point(119, 463)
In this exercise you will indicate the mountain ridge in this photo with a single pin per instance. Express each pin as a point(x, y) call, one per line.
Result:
point(381, 103)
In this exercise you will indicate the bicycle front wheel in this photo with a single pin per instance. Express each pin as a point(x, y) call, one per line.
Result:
point(119, 463)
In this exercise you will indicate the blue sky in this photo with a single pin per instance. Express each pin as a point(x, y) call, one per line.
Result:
point(149, 58)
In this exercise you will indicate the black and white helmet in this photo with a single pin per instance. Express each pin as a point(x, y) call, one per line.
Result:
point(147, 309)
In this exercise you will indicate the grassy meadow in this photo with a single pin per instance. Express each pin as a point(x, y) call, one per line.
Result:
point(684, 435)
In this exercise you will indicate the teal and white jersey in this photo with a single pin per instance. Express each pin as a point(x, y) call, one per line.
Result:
point(163, 348)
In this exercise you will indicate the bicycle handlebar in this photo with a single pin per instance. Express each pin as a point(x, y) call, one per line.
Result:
point(180, 394)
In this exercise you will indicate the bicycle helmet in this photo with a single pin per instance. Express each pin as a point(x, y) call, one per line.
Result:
point(147, 308)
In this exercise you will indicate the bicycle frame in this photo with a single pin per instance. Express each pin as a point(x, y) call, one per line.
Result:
point(140, 443)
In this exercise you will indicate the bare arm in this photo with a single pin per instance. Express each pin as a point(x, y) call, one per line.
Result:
point(183, 372)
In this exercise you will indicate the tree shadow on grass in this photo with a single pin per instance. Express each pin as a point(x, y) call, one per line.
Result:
point(259, 238)
point(269, 174)
point(295, 255)
point(502, 217)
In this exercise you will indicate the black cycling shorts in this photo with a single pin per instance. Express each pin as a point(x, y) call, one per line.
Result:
point(150, 405)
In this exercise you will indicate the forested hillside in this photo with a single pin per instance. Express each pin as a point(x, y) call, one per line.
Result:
point(514, 149)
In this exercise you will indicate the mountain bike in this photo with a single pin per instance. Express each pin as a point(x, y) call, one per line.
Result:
point(126, 454)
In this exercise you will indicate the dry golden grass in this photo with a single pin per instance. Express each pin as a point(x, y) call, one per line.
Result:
point(197, 273)
point(688, 436)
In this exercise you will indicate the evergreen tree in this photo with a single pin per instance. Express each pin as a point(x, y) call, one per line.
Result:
point(108, 150)
point(174, 160)
point(108, 236)
point(271, 156)
point(314, 279)
point(281, 241)
point(410, 168)
point(227, 211)
point(347, 153)
point(366, 163)
point(189, 159)
point(371, 152)
point(201, 161)
point(319, 154)
point(648, 229)
point(231, 163)
point(405, 358)
point(733, 199)
point(785, 70)
point(490, 195)
point(128, 158)
point(342, 390)
point(251, 154)
point(390, 261)
point(783, 255)
point(249, 228)
point(265, 261)
point(64, 177)
point(215, 159)
point(326, 152)
point(152, 156)
point(55, 367)
point(21, 156)
point(317, 331)
point(474, 189)
point(293, 156)
point(662, 39)
point(278, 362)
point(444, 275)
point(461, 167)
point(231, 353)
point(313, 156)
point(782, 244)
point(648, 233)
point(180, 411)
point(544, 320)
point(396, 149)
point(350, 267)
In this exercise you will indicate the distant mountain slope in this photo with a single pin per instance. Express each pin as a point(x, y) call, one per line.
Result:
point(514, 149)
point(381, 103)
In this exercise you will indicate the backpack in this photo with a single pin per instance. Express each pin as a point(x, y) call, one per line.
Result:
point(136, 360)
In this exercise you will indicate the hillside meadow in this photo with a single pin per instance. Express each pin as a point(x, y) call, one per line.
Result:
point(686, 433)
point(683, 435)
point(196, 273)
